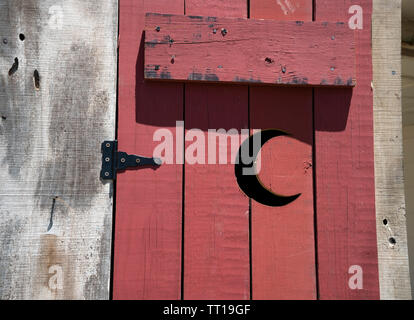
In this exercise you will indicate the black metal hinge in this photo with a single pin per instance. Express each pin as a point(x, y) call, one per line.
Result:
point(114, 160)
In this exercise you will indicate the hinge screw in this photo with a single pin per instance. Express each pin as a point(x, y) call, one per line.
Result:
point(138, 160)
point(122, 160)
point(106, 174)
point(107, 159)
point(108, 145)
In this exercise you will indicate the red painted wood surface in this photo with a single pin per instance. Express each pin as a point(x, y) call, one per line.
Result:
point(293, 10)
point(345, 170)
point(147, 249)
point(216, 212)
point(283, 247)
point(216, 215)
point(212, 49)
point(149, 204)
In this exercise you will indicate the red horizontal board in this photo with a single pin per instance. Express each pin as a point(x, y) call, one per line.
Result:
point(195, 48)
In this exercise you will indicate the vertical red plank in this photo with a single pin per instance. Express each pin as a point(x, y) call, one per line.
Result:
point(148, 203)
point(216, 214)
point(345, 169)
point(283, 247)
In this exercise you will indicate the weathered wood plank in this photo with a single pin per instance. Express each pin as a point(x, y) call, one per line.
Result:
point(57, 105)
point(389, 181)
point(195, 48)
point(344, 155)
point(216, 235)
point(283, 240)
point(408, 131)
point(147, 261)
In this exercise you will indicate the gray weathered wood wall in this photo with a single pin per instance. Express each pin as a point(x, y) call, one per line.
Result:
point(57, 104)
point(389, 184)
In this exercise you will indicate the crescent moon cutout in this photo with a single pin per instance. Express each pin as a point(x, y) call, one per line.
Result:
point(251, 184)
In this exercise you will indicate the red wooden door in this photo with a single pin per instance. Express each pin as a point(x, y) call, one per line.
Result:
point(186, 230)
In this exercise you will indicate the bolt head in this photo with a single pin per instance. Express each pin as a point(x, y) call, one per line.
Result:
point(122, 160)
point(106, 174)
point(107, 159)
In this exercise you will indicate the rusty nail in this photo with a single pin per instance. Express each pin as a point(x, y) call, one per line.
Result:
point(332, 68)
point(333, 37)
point(172, 59)
point(223, 31)
point(5, 41)
point(214, 31)
point(284, 69)
point(158, 29)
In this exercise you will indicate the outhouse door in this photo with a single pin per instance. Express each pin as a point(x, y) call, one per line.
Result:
point(197, 78)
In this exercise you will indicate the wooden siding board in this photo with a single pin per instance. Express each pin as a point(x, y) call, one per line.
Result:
point(216, 235)
point(389, 180)
point(283, 247)
point(345, 186)
point(147, 261)
point(56, 215)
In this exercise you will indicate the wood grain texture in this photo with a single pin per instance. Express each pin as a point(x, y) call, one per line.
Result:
point(408, 132)
point(196, 48)
point(283, 255)
point(216, 211)
point(216, 236)
point(390, 202)
point(55, 213)
point(147, 261)
point(345, 185)
point(287, 10)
